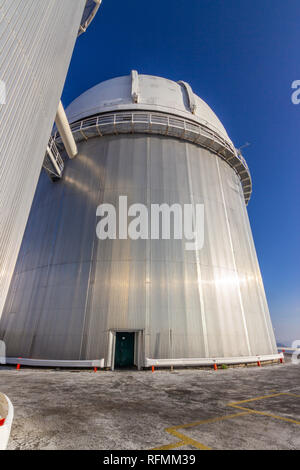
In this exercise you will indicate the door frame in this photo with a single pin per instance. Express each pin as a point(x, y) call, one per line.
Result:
point(138, 346)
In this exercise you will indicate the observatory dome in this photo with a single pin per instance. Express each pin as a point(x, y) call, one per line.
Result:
point(151, 93)
point(141, 300)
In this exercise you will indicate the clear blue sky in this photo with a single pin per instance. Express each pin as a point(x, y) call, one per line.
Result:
point(241, 57)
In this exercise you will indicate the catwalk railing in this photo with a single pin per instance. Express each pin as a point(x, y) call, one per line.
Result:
point(167, 125)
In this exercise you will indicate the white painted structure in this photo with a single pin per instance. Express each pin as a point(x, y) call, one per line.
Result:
point(63, 128)
point(36, 44)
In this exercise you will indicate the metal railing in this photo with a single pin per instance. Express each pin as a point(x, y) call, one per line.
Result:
point(53, 162)
point(167, 125)
point(148, 118)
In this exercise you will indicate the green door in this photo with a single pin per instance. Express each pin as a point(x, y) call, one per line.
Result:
point(124, 354)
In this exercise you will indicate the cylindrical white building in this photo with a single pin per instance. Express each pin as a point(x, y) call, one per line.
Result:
point(36, 43)
point(146, 301)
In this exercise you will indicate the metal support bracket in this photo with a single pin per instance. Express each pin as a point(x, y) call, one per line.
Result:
point(190, 95)
point(135, 89)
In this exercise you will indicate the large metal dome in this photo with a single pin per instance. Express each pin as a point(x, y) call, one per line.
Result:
point(154, 105)
point(152, 93)
point(147, 300)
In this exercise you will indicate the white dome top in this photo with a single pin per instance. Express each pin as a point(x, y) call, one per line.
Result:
point(144, 92)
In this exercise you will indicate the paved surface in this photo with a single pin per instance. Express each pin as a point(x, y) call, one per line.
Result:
point(239, 408)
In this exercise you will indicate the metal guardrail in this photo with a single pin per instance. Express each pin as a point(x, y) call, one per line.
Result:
point(150, 119)
point(289, 351)
point(163, 124)
point(56, 363)
point(53, 162)
point(193, 362)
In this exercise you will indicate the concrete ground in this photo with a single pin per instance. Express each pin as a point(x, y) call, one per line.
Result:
point(239, 408)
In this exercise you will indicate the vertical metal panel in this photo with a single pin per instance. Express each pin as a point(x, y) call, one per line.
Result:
point(71, 289)
point(36, 42)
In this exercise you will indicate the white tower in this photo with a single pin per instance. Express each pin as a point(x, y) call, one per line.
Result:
point(36, 44)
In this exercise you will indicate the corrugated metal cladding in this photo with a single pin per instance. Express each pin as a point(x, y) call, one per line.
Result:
point(70, 289)
point(36, 42)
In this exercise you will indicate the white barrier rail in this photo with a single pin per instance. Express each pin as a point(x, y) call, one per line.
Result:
point(55, 363)
point(289, 350)
point(6, 419)
point(211, 361)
